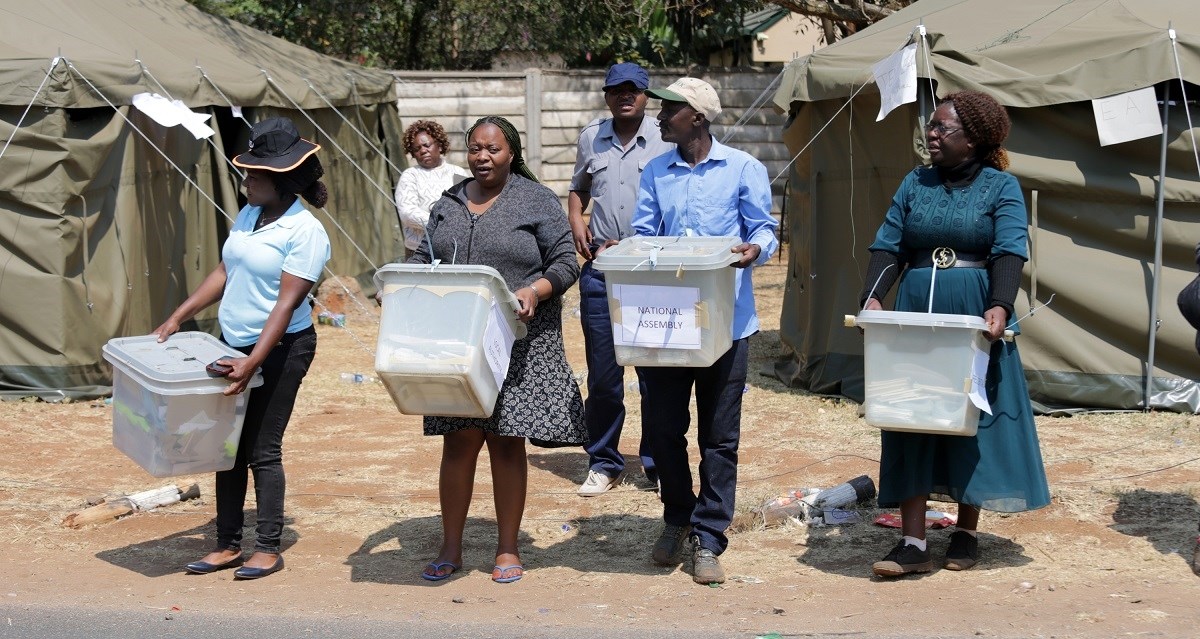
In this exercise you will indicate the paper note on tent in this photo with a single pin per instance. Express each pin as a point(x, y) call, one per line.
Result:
point(170, 113)
point(1127, 116)
point(896, 76)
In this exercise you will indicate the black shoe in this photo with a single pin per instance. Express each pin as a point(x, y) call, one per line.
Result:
point(903, 559)
point(669, 547)
point(246, 572)
point(963, 552)
point(203, 567)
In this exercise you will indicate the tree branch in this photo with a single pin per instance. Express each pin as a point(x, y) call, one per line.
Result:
point(856, 11)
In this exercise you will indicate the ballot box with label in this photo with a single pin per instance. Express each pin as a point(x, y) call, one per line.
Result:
point(923, 372)
point(169, 413)
point(670, 299)
point(445, 337)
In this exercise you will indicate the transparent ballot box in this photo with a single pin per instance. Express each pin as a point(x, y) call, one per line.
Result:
point(445, 337)
point(921, 369)
point(169, 415)
point(670, 299)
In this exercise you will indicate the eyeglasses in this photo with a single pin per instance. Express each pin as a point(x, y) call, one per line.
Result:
point(941, 129)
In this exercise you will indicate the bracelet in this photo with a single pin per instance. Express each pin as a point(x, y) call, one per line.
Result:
point(536, 294)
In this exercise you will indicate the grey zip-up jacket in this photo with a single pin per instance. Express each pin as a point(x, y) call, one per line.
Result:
point(524, 235)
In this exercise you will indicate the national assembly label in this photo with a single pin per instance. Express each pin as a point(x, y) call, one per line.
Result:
point(656, 316)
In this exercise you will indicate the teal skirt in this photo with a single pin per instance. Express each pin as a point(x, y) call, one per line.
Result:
point(998, 469)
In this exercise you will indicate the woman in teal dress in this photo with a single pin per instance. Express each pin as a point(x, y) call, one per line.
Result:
point(965, 202)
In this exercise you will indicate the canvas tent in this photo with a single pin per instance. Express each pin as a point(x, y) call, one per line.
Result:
point(107, 219)
point(1092, 209)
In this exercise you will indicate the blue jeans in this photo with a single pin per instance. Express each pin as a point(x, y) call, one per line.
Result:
point(261, 445)
point(719, 390)
point(604, 410)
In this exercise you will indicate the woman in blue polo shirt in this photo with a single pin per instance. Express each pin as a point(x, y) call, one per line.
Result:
point(275, 252)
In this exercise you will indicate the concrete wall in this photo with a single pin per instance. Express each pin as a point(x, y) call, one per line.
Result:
point(560, 103)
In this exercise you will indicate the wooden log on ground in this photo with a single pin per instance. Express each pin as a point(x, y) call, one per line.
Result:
point(112, 509)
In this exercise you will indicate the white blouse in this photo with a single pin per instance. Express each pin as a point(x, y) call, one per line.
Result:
point(416, 192)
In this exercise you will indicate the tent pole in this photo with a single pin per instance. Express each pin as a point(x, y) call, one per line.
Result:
point(1158, 222)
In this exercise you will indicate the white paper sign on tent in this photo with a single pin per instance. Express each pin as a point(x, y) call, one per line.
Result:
point(896, 76)
point(1127, 116)
point(171, 113)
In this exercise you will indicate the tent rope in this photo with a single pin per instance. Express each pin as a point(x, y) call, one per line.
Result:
point(853, 226)
point(352, 127)
point(53, 64)
point(232, 107)
point(821, 130)
point(1186, 109)
point(928, 63)
point(357, 100)
point(754, 107)
point(146, 72)
point(388, 196)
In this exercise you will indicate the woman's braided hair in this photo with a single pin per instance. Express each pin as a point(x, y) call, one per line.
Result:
point(305, 181)
point(514, 142)
point(985, 122)
point(428, 127)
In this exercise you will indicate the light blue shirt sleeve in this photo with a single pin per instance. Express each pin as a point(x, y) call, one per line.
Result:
point(754, 204)
point(307, 252)
point(647, 219)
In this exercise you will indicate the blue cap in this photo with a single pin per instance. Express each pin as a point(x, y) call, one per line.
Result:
point(627, 72)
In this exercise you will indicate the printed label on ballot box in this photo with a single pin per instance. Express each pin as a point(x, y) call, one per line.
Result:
point(657, 316)
point(498, 341)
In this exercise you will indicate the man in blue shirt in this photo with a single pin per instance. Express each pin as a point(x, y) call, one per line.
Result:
point(608, 166)
point(703, 188)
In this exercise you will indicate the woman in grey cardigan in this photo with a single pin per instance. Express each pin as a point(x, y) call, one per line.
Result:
point(504, 219)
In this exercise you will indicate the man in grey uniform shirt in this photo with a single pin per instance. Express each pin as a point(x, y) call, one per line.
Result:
point(608, 166)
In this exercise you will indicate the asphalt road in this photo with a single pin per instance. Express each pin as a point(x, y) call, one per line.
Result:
point(53, 622)
point(46, 622)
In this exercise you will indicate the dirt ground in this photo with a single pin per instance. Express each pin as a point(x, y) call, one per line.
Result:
point(1109, 557)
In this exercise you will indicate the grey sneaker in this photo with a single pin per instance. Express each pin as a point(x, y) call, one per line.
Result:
point(706, 568)
point(903, 559)
point(669, 547)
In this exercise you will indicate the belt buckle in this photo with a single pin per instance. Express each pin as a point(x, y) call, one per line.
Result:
point(944, 257)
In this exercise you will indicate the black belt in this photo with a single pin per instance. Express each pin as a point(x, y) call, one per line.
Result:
point(946, 258)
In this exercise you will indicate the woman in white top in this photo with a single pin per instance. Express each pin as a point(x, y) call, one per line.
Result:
point(420, 186)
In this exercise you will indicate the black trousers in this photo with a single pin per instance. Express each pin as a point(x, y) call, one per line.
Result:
point(719, 389)
point(260, 448)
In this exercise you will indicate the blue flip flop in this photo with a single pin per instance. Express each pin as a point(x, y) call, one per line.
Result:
point(438, 566)
point(499, 572)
